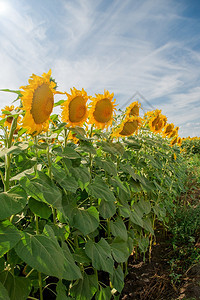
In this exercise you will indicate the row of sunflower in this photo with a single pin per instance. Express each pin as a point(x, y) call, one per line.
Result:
point(37, 102)
point(73, 213)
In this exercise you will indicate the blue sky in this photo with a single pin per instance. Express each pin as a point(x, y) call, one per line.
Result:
point(124, 46)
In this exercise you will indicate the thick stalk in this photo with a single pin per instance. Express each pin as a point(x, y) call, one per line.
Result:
point(39, 273)
point(8, 156)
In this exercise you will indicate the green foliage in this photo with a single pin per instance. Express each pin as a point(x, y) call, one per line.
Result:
point(77, 212)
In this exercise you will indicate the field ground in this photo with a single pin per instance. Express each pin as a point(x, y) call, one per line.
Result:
point(154, 280)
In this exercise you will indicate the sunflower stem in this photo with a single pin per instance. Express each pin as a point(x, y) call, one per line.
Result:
point(9, 140)
point(39, 273)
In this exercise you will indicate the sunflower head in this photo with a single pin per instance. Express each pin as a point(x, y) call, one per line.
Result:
point(102, 109)
point(38, 100)
point(74, 109)
point(7, 115)
point(168, 129)
point(157, 121)
point(179, 141)
point(133, 109)
point(128, 126)
point(173, 133)
point(174, 141)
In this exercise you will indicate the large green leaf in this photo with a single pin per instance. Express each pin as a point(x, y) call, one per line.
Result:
point(81, 175)
point(99, 189)
point(12, 202)
point(84, 289)
point(107, 166)
point(136, 219)
point(107, 209)
point(67, 182)
point(61, 291)
point(100, 254)
point(9, 236)
point(39, 208)
point(3, 293)
point(120, 250)
point(67, 152)
point(117, 279)
point(43, 253)
point(43, 189)
point(118, 229)
point(17, 287)
point(85, 220)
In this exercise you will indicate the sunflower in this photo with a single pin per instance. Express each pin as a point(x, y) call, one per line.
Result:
point(174, 141)
point(133, 109)
point(168, 129)
point(101, 111)
point(7, 115)
point(128, 126)
point(38, 100)
point(174, 132)
point(179, 141)
point(74, 109)
point(157, 122)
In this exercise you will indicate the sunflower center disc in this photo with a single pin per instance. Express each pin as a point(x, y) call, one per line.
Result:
point(129, 128)
point(103, 111)
point(42, 104)
point(134, 111)
point(77, 109)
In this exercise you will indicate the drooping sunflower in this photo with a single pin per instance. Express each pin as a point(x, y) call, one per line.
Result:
point(179, 141)
point(174, 141)
point(133, 109)
point(157, 122)
point(174, 132)
point(128, 126)
point(167, 129)
point(38, 100)
point(7, 116)
point(74, 109)
point(102, 109)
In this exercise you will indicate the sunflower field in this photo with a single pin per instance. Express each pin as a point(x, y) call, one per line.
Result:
point(81, 191)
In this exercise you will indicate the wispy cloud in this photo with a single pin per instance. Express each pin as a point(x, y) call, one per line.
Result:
point(148, 46)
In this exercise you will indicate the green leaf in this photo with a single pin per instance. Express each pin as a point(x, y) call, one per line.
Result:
point(84, 289)
point(81, 175)
point(80, 256)
point(67, 182)
point(145, 206)
point(118, 228)
point(85, 220)
point(44, 254)
point(67, 152)
point(39, 208)
point(3, 293)
point(14, 149)
point(59, 103)
point(17, 287)
point(100, 254)
point(107, 209)
point(107, 166)
point(43, 189)
point(120, 250)
point(143, 243)
point(136, 219)
point(9, 236)
point(12, 91)
point(12, 202)
point(147, 224)
point(99, 189)
point(103, 294)
point(61, 291)
point(117, 279)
